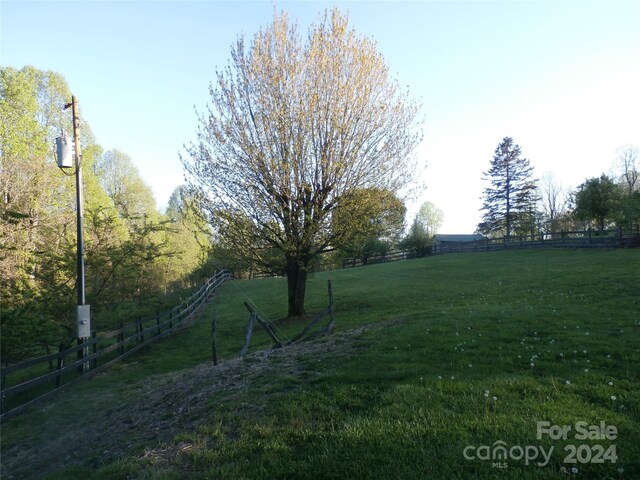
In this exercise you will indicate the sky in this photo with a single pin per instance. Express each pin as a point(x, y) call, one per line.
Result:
point(561, 78)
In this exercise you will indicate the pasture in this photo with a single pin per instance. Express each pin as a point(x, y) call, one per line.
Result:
point(513, 364)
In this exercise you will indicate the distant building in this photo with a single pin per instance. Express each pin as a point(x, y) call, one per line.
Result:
point(443, 241)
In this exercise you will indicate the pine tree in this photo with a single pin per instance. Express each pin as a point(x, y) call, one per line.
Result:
point(508, 199)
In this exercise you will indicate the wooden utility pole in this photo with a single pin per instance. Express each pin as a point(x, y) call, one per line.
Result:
point(83, 315)
point(79, 198)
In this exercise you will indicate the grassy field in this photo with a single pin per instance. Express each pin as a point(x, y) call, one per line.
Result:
point(457, 366)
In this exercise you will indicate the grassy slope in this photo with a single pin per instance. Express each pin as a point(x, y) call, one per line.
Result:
point(552, 335)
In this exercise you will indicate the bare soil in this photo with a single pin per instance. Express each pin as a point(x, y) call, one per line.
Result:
point(145, 420)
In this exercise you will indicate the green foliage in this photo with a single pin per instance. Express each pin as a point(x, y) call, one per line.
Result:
point(297, 127)
point(121, 180)
point(417, 241)
point(632, 209)
point(510, 201)
point(375, 218)
point(628, 163)
point(130, 249)
point(33, 209)
point(599, 200)
point(431, 218)
point(22, 134)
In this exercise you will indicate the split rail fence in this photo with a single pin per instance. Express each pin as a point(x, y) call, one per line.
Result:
point(617, 238)
point(312, 331)
point(32, 380)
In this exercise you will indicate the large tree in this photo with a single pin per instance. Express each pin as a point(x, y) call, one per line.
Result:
point(36, 212)
point(297, 126)
point(431, 217)
point(123, 259)
point(628, 166)
point(376, 233)
point(598, 200)
point(508, 201)
point(553, 200)
point(417, 241)
point(121, 180)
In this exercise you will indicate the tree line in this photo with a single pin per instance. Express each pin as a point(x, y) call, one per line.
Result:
point(515, 203)
point(304, 156)
point(131, 249)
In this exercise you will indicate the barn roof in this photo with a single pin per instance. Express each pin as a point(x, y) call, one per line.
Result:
point(474, 237)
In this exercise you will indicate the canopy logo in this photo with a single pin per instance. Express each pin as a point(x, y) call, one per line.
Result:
point(500, 453)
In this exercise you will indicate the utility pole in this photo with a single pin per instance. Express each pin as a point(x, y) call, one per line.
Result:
point(83, 312)
point(79, 198)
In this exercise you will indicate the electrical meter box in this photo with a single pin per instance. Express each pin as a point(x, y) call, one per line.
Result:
point(83, 315)
point(63, 152)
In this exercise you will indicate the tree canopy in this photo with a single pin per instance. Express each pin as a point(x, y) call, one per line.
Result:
point(296, 127)
point(598, 200)
point(509, 201)
point(431, 217)
point(130, 248)
point(628, 164)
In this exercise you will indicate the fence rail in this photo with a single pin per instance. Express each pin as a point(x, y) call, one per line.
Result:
point(566, 239)
point(38, 378)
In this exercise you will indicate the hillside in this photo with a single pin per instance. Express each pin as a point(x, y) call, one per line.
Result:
point(432, 359)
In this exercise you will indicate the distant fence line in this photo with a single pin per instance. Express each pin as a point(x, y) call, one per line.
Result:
point(40, 377)
point(617, 238)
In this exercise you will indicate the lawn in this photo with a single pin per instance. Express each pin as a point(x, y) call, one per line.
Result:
point(491, 365)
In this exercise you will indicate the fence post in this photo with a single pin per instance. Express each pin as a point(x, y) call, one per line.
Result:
point(121, 338)
point(3, 381)
point(140, 328)
point(61, 350)
point(87, 358)
point(79, 355)
point(331, 310)
point(48, 350)
point(247, 340)
point(620, 243)
point(94, 362)
point(214, 346)
point(2, 386)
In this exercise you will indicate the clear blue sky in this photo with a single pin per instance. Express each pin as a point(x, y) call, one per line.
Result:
point(562, 78)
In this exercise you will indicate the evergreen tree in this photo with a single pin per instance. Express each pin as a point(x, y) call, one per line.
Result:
point(512, 192)
point(417, 241)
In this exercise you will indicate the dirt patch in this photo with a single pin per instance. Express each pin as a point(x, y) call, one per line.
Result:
point(153, 411)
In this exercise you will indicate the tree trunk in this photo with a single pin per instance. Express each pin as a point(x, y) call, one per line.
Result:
point(297, 285)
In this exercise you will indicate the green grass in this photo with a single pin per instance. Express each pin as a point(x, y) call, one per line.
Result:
point(552, 335)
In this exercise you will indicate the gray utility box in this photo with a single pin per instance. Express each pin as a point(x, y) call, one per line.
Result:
point(64, 151)
point(83, 315)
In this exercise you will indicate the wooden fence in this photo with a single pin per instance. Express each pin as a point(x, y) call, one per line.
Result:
point(570, 239)
point(308, 333)
point(27, 382)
